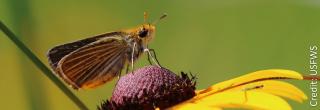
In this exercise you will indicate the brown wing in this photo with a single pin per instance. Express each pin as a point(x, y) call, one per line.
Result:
point(58, 52)
point(95, 63)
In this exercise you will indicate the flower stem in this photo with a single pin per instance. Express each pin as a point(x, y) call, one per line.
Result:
point(42, 66)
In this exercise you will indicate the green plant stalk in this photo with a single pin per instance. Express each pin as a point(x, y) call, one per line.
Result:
point(42, 66)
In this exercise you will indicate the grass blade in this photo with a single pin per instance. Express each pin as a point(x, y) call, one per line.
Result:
point(41, 66)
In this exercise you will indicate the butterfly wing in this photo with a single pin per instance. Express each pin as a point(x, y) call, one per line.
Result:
point(56, 53)
point(95, 63)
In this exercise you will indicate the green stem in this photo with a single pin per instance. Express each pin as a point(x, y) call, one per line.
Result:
point(42, 66)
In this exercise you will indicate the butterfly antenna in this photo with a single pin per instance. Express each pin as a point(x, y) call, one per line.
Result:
point(145, 17)
point(161, 17)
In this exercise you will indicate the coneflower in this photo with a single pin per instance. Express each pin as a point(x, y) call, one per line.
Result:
point(152, 87)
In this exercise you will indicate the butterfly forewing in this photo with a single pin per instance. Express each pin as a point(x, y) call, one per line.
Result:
point(95, 63)
point(57, 53)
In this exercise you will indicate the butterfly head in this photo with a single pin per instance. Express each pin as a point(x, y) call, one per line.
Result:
point(146, 33)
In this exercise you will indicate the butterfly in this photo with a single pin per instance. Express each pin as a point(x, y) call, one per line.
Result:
point(93, 61)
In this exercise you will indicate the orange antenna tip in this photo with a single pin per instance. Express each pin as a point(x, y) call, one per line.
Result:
point(145, 16)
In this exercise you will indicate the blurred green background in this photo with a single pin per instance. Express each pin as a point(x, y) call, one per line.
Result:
point(214, 39)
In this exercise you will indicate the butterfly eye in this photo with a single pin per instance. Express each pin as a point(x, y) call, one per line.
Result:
point(143, 33)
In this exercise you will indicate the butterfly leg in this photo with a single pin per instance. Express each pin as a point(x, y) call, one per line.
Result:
point(148, 55)
point(132, 56)
point(127, 69)
point(153, 56)
point(119, 75)
point(149, 60)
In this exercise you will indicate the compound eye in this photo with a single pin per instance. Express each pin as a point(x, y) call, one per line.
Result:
point(143, 33)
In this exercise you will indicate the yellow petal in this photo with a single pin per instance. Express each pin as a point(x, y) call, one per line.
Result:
point(250, 78)
point(278, 88)
point(192, 106)
point(198, 91)
point(257, 90)
point(244, 99)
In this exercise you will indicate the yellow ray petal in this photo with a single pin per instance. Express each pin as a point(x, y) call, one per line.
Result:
point(192, 106)
point(278, 88)
point(198, 91)
point(250, 78)
point(243, 99)
point(234, 93)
